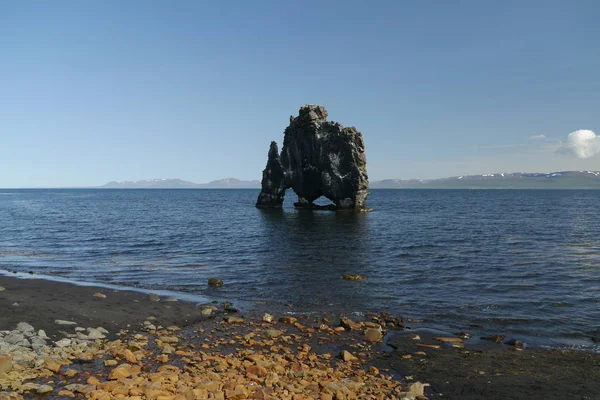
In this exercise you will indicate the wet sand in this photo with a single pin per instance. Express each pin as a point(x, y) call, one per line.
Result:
point(483, 370)
point(493, 370)
point(41, 302)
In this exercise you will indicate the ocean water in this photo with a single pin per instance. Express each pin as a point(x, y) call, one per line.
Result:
point(524, 263)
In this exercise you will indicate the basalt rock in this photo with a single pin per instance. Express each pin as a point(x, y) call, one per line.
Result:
point(319, 158)
point(271, 195)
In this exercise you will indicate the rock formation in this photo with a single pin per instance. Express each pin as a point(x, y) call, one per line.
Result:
point(319, 158)
point(272, 184)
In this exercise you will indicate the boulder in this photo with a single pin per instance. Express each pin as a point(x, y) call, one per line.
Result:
point(286, 319)
point(120, 372)
point(5, 363)
point(38, 343)
point(63, 342)
point(318, 158)
point(15, 337)
point(347, 323)
point(52, 364)
point(94, 333)
point(257, 370)
point(63, 322)
point(215, 282)
point(354, 277)
point(233, 320)
point(25, 328)
point(373, 335)
point(43, 389)
point(273, 333)
point(153, 297)
point(268, 318)
point(102, 330)
point(347, 356)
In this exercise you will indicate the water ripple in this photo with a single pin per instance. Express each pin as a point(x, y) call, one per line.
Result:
point(524, 263)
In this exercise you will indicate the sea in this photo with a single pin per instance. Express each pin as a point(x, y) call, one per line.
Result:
point(521, 263)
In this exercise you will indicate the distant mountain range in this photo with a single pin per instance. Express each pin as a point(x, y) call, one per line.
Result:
point(229, 183)
point(518, 180)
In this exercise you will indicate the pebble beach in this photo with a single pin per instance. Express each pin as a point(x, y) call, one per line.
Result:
point(59, 340)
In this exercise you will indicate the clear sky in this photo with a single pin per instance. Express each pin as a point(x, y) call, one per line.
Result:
point(93, 91)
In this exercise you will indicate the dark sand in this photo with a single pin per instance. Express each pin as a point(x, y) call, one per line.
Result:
point(480, 371)
point(494, 371)
point(41, 302)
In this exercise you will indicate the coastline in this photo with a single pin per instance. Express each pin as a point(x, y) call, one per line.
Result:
point(42, 301)
point(453, 369)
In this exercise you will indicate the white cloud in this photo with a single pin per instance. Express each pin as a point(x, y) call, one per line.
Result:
point(538, 137)
point(581, 144)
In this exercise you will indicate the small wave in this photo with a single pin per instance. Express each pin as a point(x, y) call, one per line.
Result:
point(96, 239)
point(147, 244)
point(174, 268)
point(190, 266)
point(404, 255)
point(504, 288)
point(584, 244)
point(419, 246)
point(21, 253)
point(473, 252)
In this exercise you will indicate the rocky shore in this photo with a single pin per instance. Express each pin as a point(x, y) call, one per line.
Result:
point(67, 341)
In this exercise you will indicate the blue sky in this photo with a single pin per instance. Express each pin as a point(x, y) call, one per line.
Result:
point(125, 90)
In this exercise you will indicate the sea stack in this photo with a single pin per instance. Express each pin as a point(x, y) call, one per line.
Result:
point(318, 158)
point(272, 184)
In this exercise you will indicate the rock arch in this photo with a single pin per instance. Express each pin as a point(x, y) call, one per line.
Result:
point(318, 158)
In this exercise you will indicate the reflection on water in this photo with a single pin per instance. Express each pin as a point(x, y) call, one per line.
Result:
point(309, 251)
point(524, 263)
